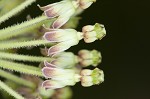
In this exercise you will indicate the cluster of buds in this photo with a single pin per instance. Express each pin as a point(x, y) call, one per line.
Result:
point(66, 68)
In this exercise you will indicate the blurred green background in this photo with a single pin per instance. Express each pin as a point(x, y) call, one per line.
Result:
point(124, 49)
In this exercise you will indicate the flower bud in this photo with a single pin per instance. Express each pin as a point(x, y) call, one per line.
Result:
point(52, 84)
point(86, 81)
point(64, 60)
point(65, 38)
point(84, 4)
point(98, 76)
point(88, 58)
point(86, 72)
point(57, 73)
point(92, 33)
point(59, 77)
point(91, 77)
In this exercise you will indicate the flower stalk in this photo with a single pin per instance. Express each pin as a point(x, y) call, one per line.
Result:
point(11, 56)
point(16, 10)
point(10, 91)
point(26, 69)
point(19, 29)
point(16, 79)
point(11, 45)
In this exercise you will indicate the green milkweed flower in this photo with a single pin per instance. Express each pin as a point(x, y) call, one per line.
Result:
point(63, 60)
point(92, 33)
point(87, 58)
point(91, 77)
point(86, 3)
point(65, 38)
point(58, 77)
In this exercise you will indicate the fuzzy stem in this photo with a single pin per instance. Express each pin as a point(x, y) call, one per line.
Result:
point(20, 68)
point(16, 10)
point(10, 90)
point(11, 45)
point(16, 79)
point(21, 28)
point(5, 55)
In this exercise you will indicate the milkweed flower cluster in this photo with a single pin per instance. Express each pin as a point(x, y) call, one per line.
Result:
point(61, 71)
point(64, 69)
point(55, 30)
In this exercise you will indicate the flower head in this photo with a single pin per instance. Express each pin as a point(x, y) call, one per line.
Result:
point(88, 58)
point(92, 33)
point(65, 38)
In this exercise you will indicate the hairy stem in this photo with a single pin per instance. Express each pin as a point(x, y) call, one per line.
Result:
point(20, 68)
point(16, 79)
point(10, 90)
point(11, 45)
point(22, 28)
point(16, 10)
point(6, 55)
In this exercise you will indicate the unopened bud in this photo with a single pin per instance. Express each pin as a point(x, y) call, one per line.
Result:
point(91, 77)
point(92, 33)
point(86, 81)
point(87, 57)
point(84, 4)
point(86, 72)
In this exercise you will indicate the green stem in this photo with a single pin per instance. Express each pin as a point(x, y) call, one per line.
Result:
point(16, 10)
point(10, 90)
point(20, 68)
point(21, 28)
point(11, 45)
point(6, 55)
point(16, 79)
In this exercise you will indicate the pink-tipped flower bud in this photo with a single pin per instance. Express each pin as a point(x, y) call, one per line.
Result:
point(91, 77)
point(63, 60)
point(52, 84)
point(87, 58)
point(92, 33)
point(84, 4)
point(59, 77)
point(64, 37)
point(86, 72)
point(86, 81)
